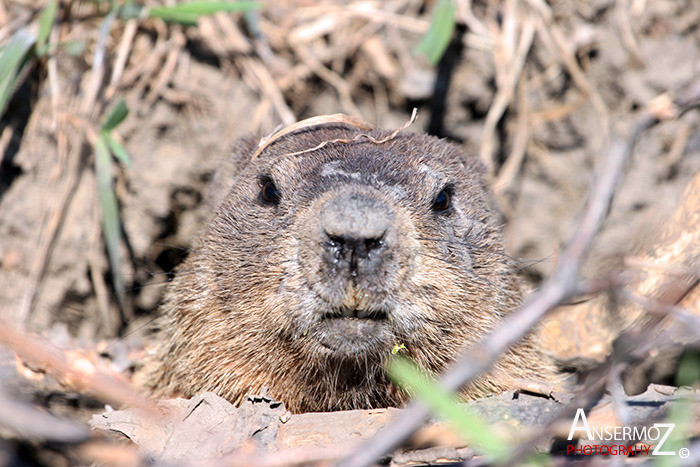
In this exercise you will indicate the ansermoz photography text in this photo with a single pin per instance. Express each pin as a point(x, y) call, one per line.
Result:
point(621, 440)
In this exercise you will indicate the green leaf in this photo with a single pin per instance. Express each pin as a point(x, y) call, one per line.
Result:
point(688, 372)
point(442, 25)
point(130, 10)
point(185, 19)
point(680, 415)
point(6, 87)
point(46, 20)
point(74, 48)
point(118, 150)
point(14, 53)
point(187, 13)
point(14, 56)
point(115, 116)
point(111, 225)
point(209, 8)
point(444, 404)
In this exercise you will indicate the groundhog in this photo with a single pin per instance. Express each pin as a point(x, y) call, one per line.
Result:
point(333, 245)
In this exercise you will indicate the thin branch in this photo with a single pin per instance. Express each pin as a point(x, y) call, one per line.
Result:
point(35, 423)
point(557, 290)
point(75, 370)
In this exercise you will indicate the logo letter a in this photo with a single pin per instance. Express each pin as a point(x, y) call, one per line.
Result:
point(582, 415)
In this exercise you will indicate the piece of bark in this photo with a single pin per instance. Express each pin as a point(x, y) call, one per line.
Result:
point(205, 427)
point(666, 271)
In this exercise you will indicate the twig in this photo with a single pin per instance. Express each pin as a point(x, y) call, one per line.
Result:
point(558, 289)
point(79, 372)
point(520, 142)
point(3, 13)
point(509, 75)
point(167, 70)
point(332, 78)
point(466, 15)
point(143, 70)
point(98, 69)
point(551, 32)
point(262, 113)
point(622, 14)
point(6, 137)
point(35, 423)
point(235, 41)
point(269, 87)
point(369, 12)
point(54, 85)
point(96, 260)
point(665, 307)
point(634, 345)
point(325, 119)
point(617, 393)
point(109, 453)
point(678, 147)
point(10, 28)
point(54, 220)
point(122, 56)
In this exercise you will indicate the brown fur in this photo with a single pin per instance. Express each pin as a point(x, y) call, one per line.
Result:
point(256, 304)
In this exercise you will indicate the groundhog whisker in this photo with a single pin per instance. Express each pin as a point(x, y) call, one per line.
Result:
point(277, 263)
point(474, 246)
point(522, 263)
point(471, 273)
point(532, 263)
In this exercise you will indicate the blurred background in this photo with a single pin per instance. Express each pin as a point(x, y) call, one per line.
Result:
point(114, 115)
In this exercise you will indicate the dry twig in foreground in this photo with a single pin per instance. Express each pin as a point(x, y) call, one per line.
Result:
point(561, 286)
point(74, 369)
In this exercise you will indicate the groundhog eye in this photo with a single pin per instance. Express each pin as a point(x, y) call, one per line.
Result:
point(442, 200)
point(269, 191)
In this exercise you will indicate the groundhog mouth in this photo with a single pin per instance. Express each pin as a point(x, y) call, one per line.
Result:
point(349, 332)
point(353, 313)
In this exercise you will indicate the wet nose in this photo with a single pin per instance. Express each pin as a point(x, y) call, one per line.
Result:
point(356, 228)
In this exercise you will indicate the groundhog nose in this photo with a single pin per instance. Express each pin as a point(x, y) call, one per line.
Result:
point(355, 227)
point(353, 248)
point(356, 216)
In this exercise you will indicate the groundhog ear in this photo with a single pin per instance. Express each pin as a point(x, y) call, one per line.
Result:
point(228, 167)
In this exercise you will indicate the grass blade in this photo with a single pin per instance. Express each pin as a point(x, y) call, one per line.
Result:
point(13, 57)
point(6, 87)
point(209, 8)
point(74, 48)
point(188, 13)
point(118, 150)
point(442, 25)
point(14, 53)
point(443, 404)
point(115, 116)
point(46, 20)
point(111, 225)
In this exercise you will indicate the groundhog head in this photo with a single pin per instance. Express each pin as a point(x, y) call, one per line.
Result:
point(332, 246)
